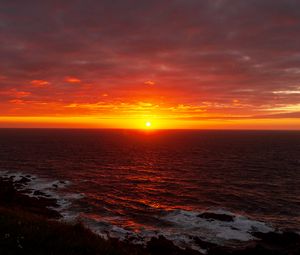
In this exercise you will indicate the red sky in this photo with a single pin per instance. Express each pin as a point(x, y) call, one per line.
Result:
point(179, 64)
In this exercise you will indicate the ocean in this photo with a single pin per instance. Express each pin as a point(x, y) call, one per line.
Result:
point(137, 184)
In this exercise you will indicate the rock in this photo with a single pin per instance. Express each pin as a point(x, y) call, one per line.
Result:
point(11, 197)
point(285, 238)
point(163, 246)
point(272, 243)
point(38, 193)
point(203, 244)
point(280, 242)
point(215, 216)
point(23, 180)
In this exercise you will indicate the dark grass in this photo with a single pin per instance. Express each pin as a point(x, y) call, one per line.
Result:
point(26, 233)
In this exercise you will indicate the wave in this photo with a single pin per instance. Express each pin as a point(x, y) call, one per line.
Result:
point(186, 228)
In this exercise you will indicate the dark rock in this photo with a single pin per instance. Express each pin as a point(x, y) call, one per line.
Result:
point(204, 244)
point(280, 242)
point(38, 193)
point(163, 246)
point(285, 238)
point(11, 197)
point(23, 180)
point(215, 216)
point(272, 243)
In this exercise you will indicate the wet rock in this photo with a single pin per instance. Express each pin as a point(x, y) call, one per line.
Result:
point(215, 216)
point(280, 242)
point(38, 193)
point(272, 243)
point(163, 246)
point(204, 244)
point(285, 238)
point(23, 180)
point(11, 197)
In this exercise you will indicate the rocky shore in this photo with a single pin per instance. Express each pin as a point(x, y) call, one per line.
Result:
point(29, 225)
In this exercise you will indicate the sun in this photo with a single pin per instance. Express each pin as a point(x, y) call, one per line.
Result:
point(148, 124)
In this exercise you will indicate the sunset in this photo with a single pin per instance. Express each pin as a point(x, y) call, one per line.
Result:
point(190, 64)
point(150, 127)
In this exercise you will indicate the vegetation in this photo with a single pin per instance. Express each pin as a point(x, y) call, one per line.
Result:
point(26, 233)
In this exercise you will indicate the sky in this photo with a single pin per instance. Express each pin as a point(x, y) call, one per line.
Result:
point(220, 64)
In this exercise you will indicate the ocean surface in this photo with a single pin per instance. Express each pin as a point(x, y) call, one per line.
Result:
point(137, 184)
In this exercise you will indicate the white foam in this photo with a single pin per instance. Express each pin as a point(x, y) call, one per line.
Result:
point(184, 226)
point(217, 231)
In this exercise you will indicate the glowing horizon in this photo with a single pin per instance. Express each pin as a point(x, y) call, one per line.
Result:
point(174, 64)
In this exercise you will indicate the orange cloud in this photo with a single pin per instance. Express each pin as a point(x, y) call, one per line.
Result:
point(21, 94)
point(16, 101)
point(39, 83)
point(149, 83)
point(71, 79)
point(14, 93)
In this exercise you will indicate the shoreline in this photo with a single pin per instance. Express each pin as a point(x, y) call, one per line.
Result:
point(29, 225)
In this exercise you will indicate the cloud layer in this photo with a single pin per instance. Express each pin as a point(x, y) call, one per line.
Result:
point(184, 58)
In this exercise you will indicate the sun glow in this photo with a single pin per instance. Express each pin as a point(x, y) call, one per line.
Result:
point(148, 124)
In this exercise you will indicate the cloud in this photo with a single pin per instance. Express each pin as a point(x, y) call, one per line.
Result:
point(72, 80)
point(39, 83)
point(149, 83)
point(289, 115)
point(197, 51)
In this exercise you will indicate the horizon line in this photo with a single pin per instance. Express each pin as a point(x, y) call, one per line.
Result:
point(148, 130)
